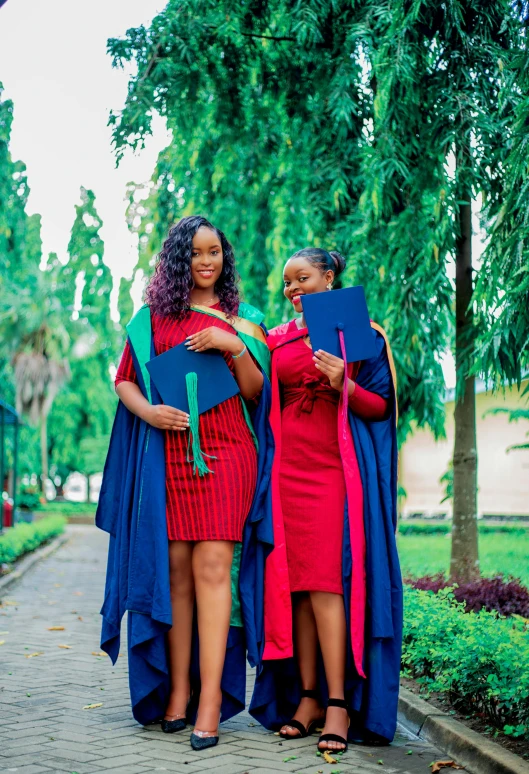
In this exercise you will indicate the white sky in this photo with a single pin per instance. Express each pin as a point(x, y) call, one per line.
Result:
point(54, 66)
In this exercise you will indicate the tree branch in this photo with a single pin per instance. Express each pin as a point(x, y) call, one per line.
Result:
point(151, 63)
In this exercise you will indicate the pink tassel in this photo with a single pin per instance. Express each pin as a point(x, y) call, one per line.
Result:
point(355, 502)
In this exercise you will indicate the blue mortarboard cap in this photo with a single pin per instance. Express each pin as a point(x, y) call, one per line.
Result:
point(193, 382)
point(215, 382)
point(346, 310)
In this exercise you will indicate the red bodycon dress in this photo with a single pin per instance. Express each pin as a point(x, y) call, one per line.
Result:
point(215, 506)
point(311, 479)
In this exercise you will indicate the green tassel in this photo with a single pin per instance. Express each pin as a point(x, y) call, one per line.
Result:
point(199, 463)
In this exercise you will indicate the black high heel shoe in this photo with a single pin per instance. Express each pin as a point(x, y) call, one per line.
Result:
point(174, 724)
point(201, 740)
point(334, 737)
point(293, 723)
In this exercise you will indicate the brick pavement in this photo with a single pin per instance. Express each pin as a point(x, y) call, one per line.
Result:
point(43, 727)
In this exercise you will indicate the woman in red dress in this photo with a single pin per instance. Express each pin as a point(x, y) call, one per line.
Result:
point(312, 495)
point(205, 515)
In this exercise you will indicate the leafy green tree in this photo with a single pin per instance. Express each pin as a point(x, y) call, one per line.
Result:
point(44, 337)
point(36, 342)
point(369, 126)
point(29, 460)
point(125, 303)
point(270, 112)
point(446, 93)
point(515, 415)
point(14, 192)
point(86, 251)
point(85, 410)
point(83, 415)
point(33, 339)
point(93, 452)
point(502, 287)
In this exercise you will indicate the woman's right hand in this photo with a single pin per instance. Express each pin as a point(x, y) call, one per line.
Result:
point(166, 417)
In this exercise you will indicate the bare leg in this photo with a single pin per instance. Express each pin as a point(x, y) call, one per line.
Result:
point(306, 643)
point(179, 637)
point(212, 560)
point(329, 613)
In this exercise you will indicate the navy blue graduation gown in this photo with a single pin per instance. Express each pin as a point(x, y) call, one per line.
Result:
point(132, 510)
point(372, 700)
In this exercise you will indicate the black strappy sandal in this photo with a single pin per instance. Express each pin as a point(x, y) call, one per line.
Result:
point(334, 737)
point(293, 723)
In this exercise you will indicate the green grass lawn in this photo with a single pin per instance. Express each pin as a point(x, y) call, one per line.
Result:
point(499, 553)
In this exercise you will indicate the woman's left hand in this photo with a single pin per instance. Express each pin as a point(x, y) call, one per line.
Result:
point(214, 338)
point(331, 366)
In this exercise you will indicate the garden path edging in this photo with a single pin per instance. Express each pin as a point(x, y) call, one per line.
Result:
point(26, 563)
point(465, 746)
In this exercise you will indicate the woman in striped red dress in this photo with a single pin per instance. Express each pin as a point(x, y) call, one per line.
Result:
point(205, 515)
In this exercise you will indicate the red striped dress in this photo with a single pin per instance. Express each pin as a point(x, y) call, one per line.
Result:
point(215, 506)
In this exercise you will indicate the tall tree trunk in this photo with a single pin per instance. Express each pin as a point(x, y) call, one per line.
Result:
point(464, 560)
point(88, 477)
point(43, 452)
point(59, 496)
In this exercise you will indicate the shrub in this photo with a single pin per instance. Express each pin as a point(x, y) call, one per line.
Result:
point(506, 529)
point(439, 528)
point(29, 498)
point(445, 527)
point(22, 538)
point(67, 508)
point(506, 596)
point(480, 660)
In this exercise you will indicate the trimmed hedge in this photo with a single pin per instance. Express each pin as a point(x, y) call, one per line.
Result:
point(445, 527)
point(480, 660)
point(67, 508)
point(436, 528)
point(22, 538)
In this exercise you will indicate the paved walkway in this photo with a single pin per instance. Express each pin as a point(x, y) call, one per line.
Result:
point(48, 676)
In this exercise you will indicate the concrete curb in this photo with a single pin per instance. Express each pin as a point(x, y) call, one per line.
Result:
point(468, 748)
point(26, 563)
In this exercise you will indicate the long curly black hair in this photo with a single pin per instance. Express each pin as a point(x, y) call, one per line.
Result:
point(169, 289)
